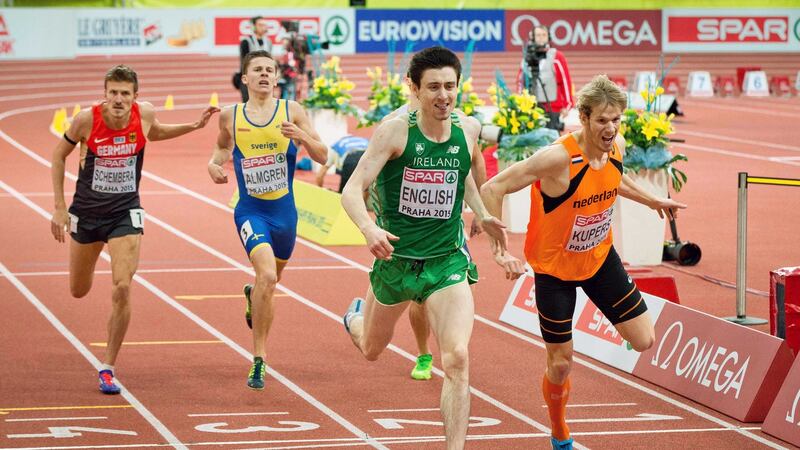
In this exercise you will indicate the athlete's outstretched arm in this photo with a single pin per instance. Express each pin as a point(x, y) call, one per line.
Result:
point(77, 133)
point(161, 131)
point(384, 145)
point(222, 147)
point(300, 130)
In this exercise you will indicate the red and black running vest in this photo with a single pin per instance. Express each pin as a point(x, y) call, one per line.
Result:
point(108, 182)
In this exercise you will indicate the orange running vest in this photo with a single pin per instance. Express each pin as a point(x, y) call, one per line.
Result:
point(569, 236)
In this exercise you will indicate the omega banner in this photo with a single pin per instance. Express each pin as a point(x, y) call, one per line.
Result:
point(588, 30)
point(783, 420)
point(727, 367)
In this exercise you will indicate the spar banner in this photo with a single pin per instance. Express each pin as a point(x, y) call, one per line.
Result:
point(727, 367)
point(141, 31)
point(334, 26)
point(25, 35)
point(588, 30)
point(378, 29)
point(731, 30)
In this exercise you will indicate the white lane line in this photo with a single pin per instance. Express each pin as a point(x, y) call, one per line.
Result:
point(177, 270)
point(719, 151)
point(239, 414)
point(45, 419)
point(752, 142)
point(478, 318)
point(127, 395)
point(207, 327)
point(644, 417)
point(597, 405)
point(247, 269)
point(746, 109)
point(402, 410)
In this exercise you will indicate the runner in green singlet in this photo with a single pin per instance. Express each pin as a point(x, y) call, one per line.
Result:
point(421, 162)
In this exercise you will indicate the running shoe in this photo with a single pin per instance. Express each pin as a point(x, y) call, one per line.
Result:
point(255, 380)
point(561, 445)
point(353, 311)
point(247, 315)
point(107, 384)
point(422, 370)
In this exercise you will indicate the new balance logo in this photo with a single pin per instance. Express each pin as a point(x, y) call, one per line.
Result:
point(453, 149)
point(455, 277)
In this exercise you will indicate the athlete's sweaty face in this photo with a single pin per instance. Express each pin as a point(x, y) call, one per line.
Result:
point(261, 74)
point(119, 97)
point(602, 127)
point(437, 92)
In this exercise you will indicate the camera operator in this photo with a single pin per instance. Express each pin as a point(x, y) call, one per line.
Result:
point(545, 74)
point(258, 40)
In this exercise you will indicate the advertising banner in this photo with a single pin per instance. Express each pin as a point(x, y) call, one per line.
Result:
point(588, 29)
point(727, 367)
point(334, 26)
point(454, 29)
point(142, 31)
point(783, 420)
point(731, 30)
point(24, 34)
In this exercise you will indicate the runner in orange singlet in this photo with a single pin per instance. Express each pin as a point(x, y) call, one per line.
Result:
point(575, 183)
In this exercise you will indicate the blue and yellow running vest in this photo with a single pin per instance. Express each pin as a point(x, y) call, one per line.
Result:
point(263, 160)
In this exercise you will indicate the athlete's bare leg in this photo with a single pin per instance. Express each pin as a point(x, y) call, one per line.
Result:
point(420, 327)
point(638, 331)
point(82, 261)
point(268, 272)
point(451, 313)
point(373, 331)
point(124, 253)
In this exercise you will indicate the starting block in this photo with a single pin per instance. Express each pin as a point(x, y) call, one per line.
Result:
point(725, 86)
point(699, 85)
point(779, 85)
point(755, 84)
point(622, 82)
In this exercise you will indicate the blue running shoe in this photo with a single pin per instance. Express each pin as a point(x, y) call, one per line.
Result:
point(353, 311)
point(255, 380)
point(107, 385)
point(561, 445)
point(247, 314)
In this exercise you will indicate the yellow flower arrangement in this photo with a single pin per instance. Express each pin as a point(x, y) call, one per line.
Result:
point(522, 121)
point(646, 138)
point(383, 98)
point(468, 100)
point(331, 90)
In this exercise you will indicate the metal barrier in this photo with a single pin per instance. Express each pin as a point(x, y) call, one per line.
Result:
point(741, 243)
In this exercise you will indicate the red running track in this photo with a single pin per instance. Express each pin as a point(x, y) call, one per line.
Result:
point(185, 377)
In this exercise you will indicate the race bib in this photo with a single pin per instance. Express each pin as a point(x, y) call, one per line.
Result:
point(114, 175)
point(265, 174)
point(428, 193)
point(137, 218)
point(589, 231)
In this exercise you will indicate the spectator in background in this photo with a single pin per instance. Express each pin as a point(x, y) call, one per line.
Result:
point(545, 74)
point(258, 40)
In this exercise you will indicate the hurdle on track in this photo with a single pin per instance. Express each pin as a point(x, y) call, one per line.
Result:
point(741, 243)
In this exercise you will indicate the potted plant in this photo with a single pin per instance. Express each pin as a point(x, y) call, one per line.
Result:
point(329, 102)
point(524, 132)
point(383, 98)
point(638, 231)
